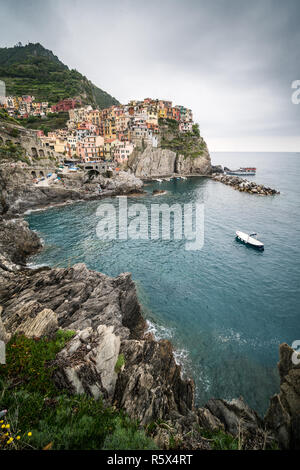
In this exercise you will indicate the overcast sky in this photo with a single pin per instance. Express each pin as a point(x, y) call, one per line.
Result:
point(231, 61)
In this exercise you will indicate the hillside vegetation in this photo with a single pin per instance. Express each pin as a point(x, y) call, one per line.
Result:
point(189, 144)
point(34, 70)
point(46, 124)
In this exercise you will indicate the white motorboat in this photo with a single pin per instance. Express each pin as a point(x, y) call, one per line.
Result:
point(249, 239)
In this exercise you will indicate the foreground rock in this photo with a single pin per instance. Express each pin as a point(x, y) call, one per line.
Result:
point(112, 356)
point(283, 415)
point(243, 185)
point(107, 316)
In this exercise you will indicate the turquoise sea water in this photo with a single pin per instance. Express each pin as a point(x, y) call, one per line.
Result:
point(227, 307)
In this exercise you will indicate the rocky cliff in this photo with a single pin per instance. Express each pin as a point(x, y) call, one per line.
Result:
point(181, 153)
point(107, 318)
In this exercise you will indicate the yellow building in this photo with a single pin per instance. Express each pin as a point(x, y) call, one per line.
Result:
point(162, 113)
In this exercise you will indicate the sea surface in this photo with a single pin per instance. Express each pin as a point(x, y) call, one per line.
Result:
point(226, 307)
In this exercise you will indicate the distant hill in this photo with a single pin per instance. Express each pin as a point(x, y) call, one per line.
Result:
point(34, 70)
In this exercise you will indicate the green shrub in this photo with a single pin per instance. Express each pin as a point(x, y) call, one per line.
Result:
point(27, 357)
point(220, 440)
point(128, 437)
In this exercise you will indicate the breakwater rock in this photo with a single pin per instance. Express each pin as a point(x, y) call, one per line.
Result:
point(244, 185)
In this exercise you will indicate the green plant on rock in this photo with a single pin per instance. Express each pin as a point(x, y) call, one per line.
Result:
point(127, 436)
point(220, 440)
point(120, 363)
point(27, 357)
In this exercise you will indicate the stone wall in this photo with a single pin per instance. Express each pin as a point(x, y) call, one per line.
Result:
point(27, 139)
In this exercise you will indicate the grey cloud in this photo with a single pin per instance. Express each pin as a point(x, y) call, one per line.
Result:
point(232, 61)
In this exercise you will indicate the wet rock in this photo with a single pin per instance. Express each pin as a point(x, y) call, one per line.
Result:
point(217, 169)
point(19, 194)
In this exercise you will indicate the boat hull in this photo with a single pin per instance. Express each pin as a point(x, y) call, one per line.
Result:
point(240, 173)
point(249, 241)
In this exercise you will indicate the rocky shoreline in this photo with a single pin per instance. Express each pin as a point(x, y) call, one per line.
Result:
point(244, 185)
point(109, 324)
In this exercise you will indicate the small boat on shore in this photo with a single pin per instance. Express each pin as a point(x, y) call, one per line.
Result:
point(250, 240)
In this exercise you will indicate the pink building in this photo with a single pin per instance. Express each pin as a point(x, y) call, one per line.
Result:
point(122, 151)
point(90, 148)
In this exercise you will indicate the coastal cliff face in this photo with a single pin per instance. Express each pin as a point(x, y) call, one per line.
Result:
point(181, 153)
point(156, 162)
point(153, 162)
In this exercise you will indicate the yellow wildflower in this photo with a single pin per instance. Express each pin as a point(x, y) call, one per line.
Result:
point(3, 426)
point(7, 426)
point(18, 438)
point(10, 440)
point(29, 434)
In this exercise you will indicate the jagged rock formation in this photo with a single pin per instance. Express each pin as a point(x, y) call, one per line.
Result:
point(87, 363)
point(107, 316)
point(241, 421)
point(4, 336)
point(193, 165)
point(283, 414)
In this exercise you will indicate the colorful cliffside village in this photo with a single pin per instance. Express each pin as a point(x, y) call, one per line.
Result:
point(109, 134)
